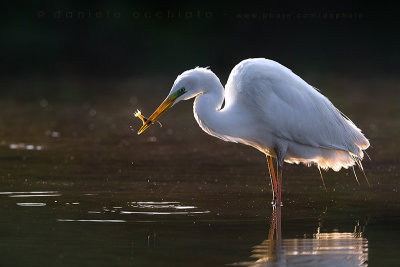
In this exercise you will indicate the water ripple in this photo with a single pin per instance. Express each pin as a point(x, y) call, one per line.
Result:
point(164, 213)
point(28, 192)
point(32, 204)
point(87, 220)
point(151, 208)
point(37, 195)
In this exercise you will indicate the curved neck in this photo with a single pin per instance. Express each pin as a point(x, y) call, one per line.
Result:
point(207, 111)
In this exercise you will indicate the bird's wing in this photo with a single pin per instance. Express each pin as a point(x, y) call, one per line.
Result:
point(290, 108)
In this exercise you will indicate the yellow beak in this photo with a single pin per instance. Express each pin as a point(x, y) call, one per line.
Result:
point(165, 105)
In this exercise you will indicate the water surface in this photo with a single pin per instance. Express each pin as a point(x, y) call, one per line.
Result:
point(79, 187)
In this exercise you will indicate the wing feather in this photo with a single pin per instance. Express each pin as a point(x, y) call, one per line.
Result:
point(290, 108)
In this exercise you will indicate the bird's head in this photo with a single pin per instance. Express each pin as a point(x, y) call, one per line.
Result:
point(186, 86)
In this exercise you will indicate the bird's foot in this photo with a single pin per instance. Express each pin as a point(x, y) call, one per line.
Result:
point(273, 203)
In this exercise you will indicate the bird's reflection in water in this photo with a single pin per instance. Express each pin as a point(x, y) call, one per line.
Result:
point(323, 249)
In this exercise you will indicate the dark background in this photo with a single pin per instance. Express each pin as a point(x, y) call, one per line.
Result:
point(117, 40)
point(70, 86)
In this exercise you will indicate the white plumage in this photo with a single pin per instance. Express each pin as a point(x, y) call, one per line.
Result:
point(269, 107)
point(296, 114)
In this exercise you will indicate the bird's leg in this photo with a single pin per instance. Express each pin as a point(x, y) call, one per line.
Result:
point(273, 179)
point(275, 236)
point(280, 157)
point(279, 187)
point(271, 233)
point(278, 224)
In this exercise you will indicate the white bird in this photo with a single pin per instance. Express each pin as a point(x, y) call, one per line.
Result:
point(272, 109)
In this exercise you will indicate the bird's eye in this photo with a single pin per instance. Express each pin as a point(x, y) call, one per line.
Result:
point(182, 90)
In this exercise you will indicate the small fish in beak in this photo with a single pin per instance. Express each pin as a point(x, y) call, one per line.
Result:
point(139, 115)
point(165, 105)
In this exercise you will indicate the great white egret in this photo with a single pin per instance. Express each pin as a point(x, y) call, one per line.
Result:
point(272, 109)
